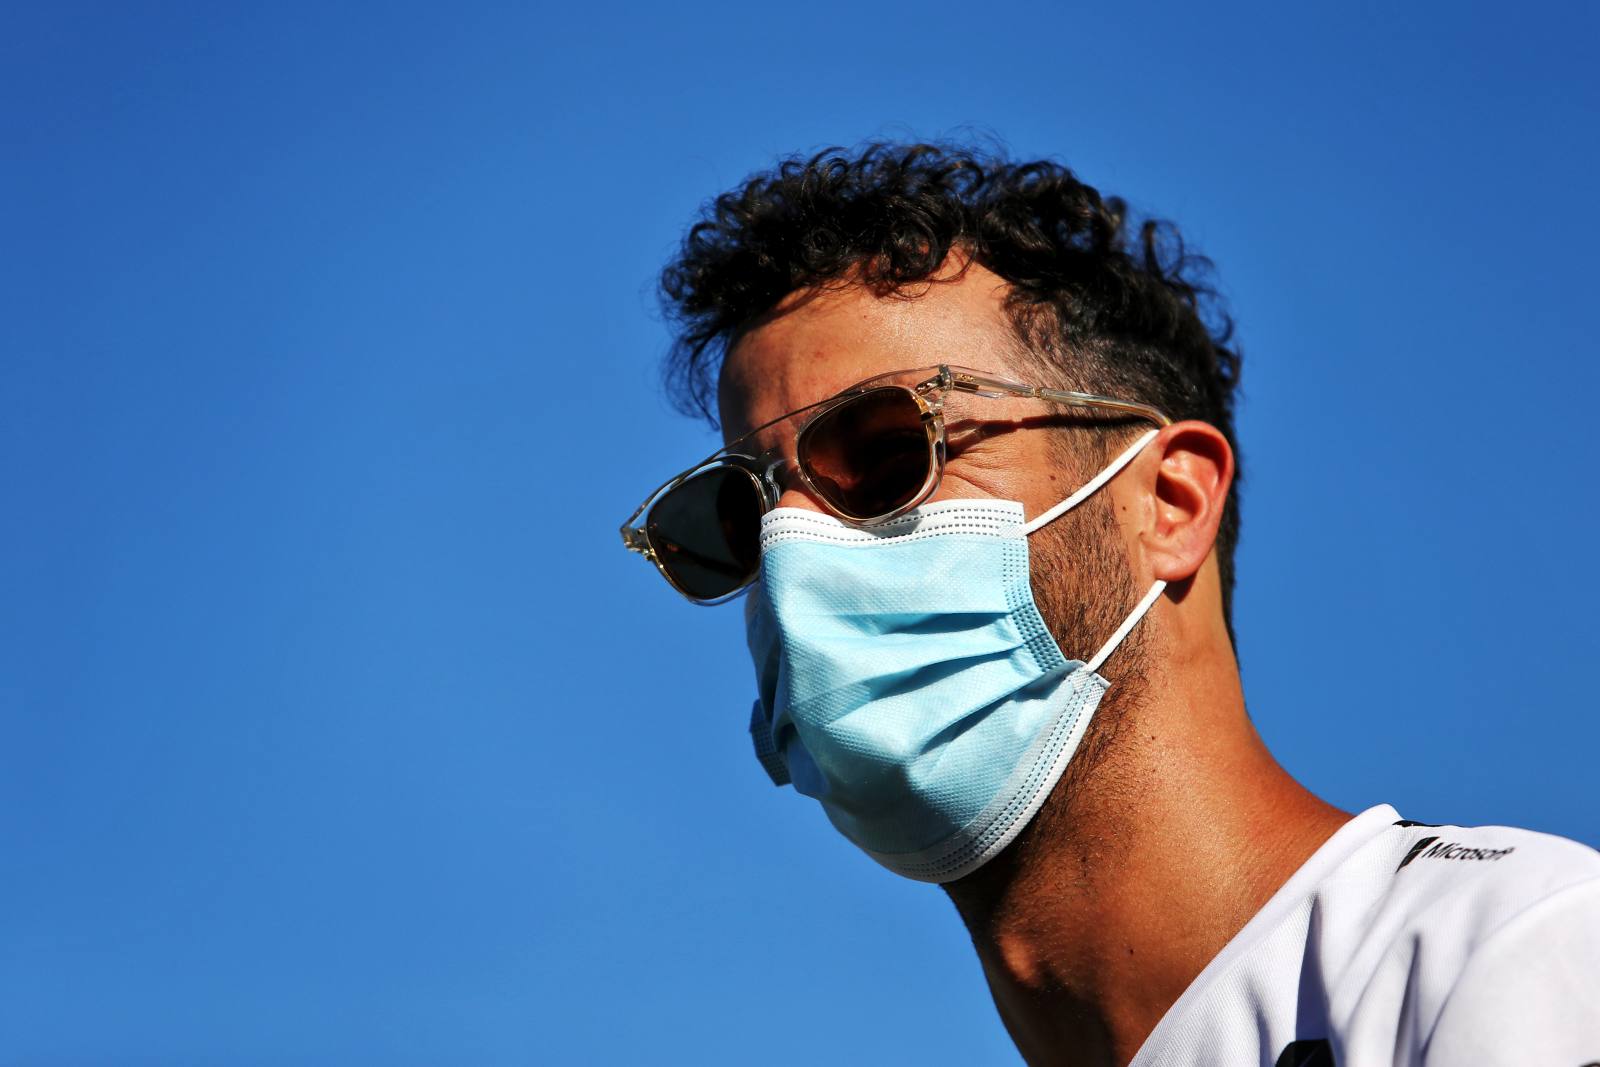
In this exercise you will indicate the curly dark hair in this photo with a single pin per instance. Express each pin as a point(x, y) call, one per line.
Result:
point(1103, 305)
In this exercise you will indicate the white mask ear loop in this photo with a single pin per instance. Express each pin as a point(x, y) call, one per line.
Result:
point(1090, 486)
point(1073, 501)
point(1127, 626)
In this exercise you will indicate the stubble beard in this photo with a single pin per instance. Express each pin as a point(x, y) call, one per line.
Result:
point(1084, 589)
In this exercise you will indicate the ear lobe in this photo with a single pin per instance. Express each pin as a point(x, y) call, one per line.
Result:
point(1191, 490)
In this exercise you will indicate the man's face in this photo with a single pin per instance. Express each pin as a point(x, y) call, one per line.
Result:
point(817, 344)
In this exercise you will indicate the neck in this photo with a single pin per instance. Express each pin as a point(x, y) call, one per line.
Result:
point(1149, 857)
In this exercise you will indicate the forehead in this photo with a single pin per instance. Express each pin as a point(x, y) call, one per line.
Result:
point(819, 342)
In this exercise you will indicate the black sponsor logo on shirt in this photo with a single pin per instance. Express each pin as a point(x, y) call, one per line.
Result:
point(1452, 850)
point(1416, 849)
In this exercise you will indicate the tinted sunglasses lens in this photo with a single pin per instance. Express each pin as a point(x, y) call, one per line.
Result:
point(705, 532)
point(869, 455)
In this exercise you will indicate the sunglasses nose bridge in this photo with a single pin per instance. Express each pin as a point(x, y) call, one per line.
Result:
point(785, 487)
point(770, 478)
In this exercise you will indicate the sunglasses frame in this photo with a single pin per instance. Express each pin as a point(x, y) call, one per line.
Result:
point(929, 391)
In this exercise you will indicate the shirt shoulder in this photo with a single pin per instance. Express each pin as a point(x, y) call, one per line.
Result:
point(1530, 992)
point(1455, 882)
point(1396, 934)
point(1419, 913)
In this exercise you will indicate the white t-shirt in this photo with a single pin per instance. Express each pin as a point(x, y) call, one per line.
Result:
point(1404, 944)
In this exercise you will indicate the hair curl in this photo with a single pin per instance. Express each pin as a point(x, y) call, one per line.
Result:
point(1106, 305)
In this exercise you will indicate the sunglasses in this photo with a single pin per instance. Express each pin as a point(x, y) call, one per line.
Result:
point(868, 454)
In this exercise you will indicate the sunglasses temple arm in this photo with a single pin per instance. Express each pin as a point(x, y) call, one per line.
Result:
point(1132, 407)
point(968, 382)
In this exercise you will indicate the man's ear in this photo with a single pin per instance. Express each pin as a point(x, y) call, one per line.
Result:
point(1191, 489)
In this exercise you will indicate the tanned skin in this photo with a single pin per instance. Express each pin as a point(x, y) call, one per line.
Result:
point(1173, 824)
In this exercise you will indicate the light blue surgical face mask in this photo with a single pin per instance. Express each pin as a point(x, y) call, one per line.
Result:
point(907, 681)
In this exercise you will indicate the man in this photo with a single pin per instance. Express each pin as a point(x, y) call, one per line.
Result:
point(979, 489)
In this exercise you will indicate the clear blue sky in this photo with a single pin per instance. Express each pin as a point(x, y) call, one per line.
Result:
point(335, 725)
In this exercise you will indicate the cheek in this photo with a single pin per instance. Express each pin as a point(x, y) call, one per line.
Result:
point(1009, 468)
